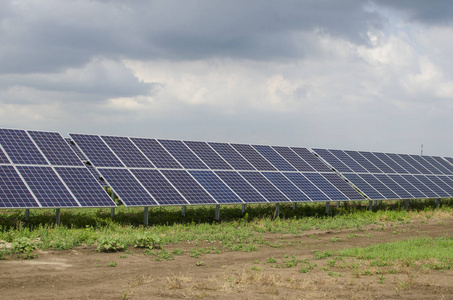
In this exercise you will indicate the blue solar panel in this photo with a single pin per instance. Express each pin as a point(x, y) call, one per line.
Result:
point(221, 192)
point(13, 192)
point(431, 185)
point(395, 187)
point(305, 185)
point(332, 160)
point(241, 187)
point(262, 185)
point(286, 186)
point(325, 186)
point(3, 158)
point(420, 186)
point(76, 149)
point(250, 154)
point(422, 161)
point(183, 154)
point(84, 187)
point(377, 162)
point(441, 184)
point(311, 159)
point(128, 189)
point(437, 164)
point(96, 150)
point(358, 157)
point(390, 162)
point(188, 187)
point(47, 187)
point(55, 149)
point(348, 161)
point(208, 155)
point(274, 158)
point(379, 186)
point(156, 153)
point(447, 179)
point(403, 163)
point(444, 163)
point(20, 148)
point(414, 164)
point(231, 156)
point(294, 159)
point(449, 159)
point(96, 174)
point(127, 152)
point(343, 186)
point(364, 187)
point(159, 187)
point(415, 192)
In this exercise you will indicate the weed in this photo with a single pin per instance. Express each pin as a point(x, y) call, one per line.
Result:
point(322, 255)
point(111, 264)
point(271, 260)
point(177, 252)
point(256, 268)
point(381, 279)
point(200, 263)
point(110, 243)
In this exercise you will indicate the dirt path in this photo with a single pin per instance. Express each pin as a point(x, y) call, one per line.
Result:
point(83, 273)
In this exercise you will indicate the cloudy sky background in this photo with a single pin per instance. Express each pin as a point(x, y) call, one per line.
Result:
point(358, 75)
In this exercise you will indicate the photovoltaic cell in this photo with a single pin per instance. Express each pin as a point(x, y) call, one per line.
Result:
point(365, 187)
point(414, 163)
point(249, 153)
point(358, 157)
point(305, 185)
point(128, 189)
point(96, 150)
point(447, 179)
point(431, 185)
point(55, 149)
point(156, 153)
point(183, 154)
point(47, 187)
point(377, 162)
point(208, 155)
point(321, 183)
point(262, 185)
point(433, 161)
point(3, 158)
point(422, 161)
point(221, 192)
point(420, 186)
point(76, 150)
point(441, 184)
point(241, 187)
point(13, 192)
point(348, 161)
point(379, 186)
point(403, 163)
point(449, 159)
point(188, 187)
point(311, 159)
point(159, 187)
point(274, 158)
point(96, 174)
point(332, 160)
point(444, 163)
point(231, 156)
point(415, 192)
point(127, 152)
point(20, 148)
point(395, 187)
point(286, 186)
point(343, 186)
point(294, 159)
point(390, 162)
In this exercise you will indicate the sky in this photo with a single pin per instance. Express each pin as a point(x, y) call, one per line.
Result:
point(350, 74)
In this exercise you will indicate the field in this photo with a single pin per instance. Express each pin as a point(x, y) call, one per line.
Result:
point(389, 253)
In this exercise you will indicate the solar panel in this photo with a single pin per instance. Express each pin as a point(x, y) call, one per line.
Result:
point(444, 163)
point(55, 149)
point(390, 162)
point(403, 163)
point(441, 184)
point(420, 186)
point(332, 160)
point(447, 179)
point(96, 174)
point(422, 161)
point(76, 150)
point(305, 185)
point(156, 153)
point(274, 158)
point(379, 186)
point(372, 158)
point(343, 186)
point(286, 186)
point(347, 160)
point(208, 155)
point(231, 156)
point(84, 187)
point(294, 159)
point(364, 186)
point(127, 152)
point(20, 148)
point(159, 187)
point(250, 154)
point(449, 159)
point(13, 191)
point(183, 154)
point(47, 187)
point(433, 161)
point(241, 187)
point(358, 157)
point(96, 150)
point(3, 158)
point(415, 192)
point(188, 187)
point(221, 192)
point(262, 185)
point(431, 185)
point(321, 183)
point(414, 164)
point(126, 186)
point(311, 159)
point(395, 187)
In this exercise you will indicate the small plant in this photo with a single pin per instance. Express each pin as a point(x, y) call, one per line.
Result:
point(200, 263)
point(255, 268)
point(23, 245)
point(331, 262)
point(271, 260)
point(333, 274)
point(256, 261)
point(110, 243)
point(147, 240)
point(304, 270)
point(326, 268)
point(381, 279)
point(335, 239)
point(111, 264)
point(177, 252)
point(322, 255)
point(123, 256)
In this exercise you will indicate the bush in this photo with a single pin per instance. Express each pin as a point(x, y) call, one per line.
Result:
point(23, 245)
point(147, 240)
point(110, 244)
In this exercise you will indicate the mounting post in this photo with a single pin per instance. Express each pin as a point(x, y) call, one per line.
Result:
point(217, 212)
point(112, 212)
point(243, 208)
point(27, 214)
point(327, 207)
point(145, 216)
point(437, 201)
point(57, 216)
point(277, 210)
point(370, 205)
point(294, 205)
point(338, 204)
point(183, 210)
point(406, 204)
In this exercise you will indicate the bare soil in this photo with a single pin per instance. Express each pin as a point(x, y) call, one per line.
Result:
point(83, 273)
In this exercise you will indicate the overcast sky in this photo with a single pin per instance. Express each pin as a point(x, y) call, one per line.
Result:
point(357, 75)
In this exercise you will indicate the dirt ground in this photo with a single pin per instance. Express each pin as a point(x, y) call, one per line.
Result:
point(82, 273)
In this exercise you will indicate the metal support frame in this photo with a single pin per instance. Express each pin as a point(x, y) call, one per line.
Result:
point(294, 205)
point(370, 205)
point(183, 210)
point(27, 214)
point(243, 208)
point(437, 201)
point(277, 210)
point(375, 202)
point(217, 212)
point(327, 207)
point(145, 216)
point(112, 212)
point(338, 204)
point(406, 204)
point(57, 216)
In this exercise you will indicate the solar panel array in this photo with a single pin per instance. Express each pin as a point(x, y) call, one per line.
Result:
point(383, 176)
point(40, 170)
point(152, 172)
